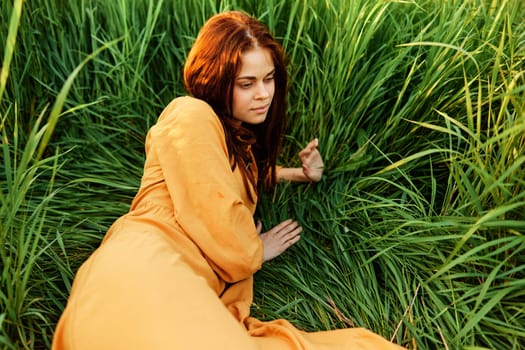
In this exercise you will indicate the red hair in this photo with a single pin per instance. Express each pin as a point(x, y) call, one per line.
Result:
point(209, 74)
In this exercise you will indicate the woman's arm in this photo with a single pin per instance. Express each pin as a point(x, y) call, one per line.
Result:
point(192, 154)
point(312, 166)
point(291, 174)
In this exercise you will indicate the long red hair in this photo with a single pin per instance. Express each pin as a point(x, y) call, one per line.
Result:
point(209, 74)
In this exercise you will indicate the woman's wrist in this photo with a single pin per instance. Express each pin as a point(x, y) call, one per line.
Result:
point(292, 174)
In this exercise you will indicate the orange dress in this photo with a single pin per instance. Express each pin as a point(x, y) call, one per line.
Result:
point(176, 272)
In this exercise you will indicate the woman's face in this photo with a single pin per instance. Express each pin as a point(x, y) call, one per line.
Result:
point(254, 86)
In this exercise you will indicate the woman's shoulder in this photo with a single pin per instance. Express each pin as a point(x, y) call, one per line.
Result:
point(188, 117)
point(187, 108)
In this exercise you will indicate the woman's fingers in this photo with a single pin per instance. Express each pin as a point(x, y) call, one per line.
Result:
point(312, 161)
point(290, 231)
point(312, 146)
point(310, 156)
point(293, 240)
point(282, 225)
point(287, 230)
point(280, 238)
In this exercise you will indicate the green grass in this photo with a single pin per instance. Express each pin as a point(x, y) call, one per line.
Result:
point(416, 231)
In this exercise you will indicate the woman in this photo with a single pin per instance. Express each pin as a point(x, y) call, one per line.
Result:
point(176, 272)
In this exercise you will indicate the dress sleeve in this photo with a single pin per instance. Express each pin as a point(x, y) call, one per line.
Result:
point(192, 152)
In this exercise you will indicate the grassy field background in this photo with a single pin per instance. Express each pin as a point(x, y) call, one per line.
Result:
point(417, 229)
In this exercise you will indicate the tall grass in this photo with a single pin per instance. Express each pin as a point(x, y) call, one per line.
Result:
point(416, 231)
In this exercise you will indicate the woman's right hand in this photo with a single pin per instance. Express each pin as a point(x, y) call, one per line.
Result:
point(279, 238)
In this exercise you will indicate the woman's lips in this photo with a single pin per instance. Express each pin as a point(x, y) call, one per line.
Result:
point(261, 110)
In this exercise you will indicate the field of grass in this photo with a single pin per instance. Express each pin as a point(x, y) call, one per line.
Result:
point(417, 229)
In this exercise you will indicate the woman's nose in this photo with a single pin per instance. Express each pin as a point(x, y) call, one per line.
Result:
point(262, 91)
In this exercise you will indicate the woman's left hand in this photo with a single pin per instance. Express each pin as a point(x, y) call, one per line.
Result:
point(279, 238)
point(312, 162)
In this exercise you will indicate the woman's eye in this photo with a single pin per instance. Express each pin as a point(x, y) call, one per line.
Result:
point(245, 85)
point(270, 78)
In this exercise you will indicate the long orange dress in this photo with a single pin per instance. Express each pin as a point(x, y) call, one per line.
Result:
point(176, 272)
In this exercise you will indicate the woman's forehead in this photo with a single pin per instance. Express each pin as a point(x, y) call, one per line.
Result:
point(255, 63)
